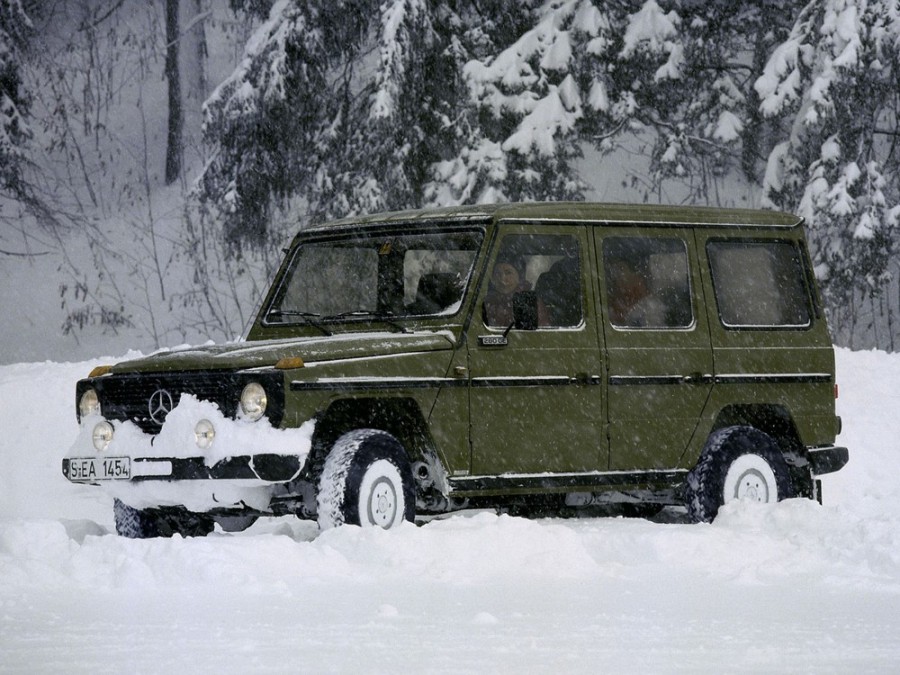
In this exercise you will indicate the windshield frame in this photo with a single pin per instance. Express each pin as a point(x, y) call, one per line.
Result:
point(374, 232)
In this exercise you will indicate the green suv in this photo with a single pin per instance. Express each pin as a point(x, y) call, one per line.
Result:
point(535, 358)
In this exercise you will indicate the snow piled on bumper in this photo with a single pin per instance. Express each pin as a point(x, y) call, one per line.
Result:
point(151, 457)
point(176, 438)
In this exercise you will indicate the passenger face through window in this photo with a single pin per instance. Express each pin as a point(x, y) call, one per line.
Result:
point(550, 266)
point(505, 278)
point(647, 282)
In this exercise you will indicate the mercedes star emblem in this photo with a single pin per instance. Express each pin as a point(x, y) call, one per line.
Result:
point(161, 404)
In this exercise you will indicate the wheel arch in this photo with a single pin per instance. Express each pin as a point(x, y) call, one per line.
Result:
point(704, 485)
point(773, 419)
point(776, 422)
point(401, 417)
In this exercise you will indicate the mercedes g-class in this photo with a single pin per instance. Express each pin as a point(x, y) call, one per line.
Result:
point(527, 357)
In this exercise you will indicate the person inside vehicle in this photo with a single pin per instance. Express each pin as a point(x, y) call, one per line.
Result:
point(632, 303)
point(507, 279)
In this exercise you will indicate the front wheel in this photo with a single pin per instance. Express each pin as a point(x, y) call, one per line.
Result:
point(737, 463)
point(367, 481)
point(159, 522)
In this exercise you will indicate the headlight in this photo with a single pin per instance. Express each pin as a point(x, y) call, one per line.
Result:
point(253, 401)
point(102, 436)
point(89, 404)
point(204, 433)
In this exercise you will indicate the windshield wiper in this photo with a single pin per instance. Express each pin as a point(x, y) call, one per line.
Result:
point(384, 318)
point(308, 318)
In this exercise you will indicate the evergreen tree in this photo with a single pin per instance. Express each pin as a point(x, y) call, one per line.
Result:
point(307, 113)
point(682, 75)
point(14, 132)
point(833, 83)
point(365, 106)
point(361, 106)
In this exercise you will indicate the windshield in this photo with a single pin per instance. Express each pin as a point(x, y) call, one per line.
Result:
point(395, 275)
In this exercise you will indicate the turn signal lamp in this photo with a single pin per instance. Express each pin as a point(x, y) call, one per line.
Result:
point(289, 363)
point(100, 370)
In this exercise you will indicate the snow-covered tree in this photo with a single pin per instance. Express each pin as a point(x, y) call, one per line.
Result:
point(521, 109)
point(358, 106)
point(364, 106)
point(683, 73)
point(833, 83)
point(307, 113)
point(14, 132)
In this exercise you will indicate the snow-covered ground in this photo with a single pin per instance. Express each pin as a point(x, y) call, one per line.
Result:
point(793, 587)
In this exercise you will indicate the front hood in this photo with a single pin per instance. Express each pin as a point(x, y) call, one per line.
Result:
point(266, 353)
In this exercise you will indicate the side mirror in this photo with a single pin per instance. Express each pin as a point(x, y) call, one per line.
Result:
point(525, 310)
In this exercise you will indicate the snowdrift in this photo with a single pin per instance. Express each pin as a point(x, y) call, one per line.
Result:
point(793, 587)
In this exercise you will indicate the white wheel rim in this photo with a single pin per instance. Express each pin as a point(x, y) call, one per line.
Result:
point(750, 478)
point(381, 500)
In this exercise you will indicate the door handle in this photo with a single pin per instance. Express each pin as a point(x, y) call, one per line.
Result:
point(697, 378)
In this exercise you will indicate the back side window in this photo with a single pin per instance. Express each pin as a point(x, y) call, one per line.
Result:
point(647, 282)
point(759, 284)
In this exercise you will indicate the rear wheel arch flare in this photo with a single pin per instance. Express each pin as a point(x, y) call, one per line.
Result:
point(773, 419)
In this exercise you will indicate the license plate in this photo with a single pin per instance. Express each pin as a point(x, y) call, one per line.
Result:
point(99, 468)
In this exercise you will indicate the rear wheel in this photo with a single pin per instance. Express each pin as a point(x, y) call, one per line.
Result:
point(159, 522)
point(737, 463)
point(367, 481)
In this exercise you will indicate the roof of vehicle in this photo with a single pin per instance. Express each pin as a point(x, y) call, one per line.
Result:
point(600, 213)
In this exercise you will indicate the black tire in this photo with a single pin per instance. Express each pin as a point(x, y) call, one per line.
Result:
point(737, 463)
point(162, 522)
point(234, 523)
point(133, 523)
point(367, 480)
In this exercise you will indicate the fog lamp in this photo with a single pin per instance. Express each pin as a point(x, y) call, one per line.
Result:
point(102, 435)
point(204, 433)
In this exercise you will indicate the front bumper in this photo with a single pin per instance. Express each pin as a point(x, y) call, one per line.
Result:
point(241, 464)
point(269, 468)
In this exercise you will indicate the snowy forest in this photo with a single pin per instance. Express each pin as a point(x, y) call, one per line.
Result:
point(155, 157)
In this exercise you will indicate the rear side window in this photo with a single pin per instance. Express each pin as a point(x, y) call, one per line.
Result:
point(647, 282)
point(759, 284)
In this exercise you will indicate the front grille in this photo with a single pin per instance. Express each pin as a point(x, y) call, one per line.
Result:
point(127, 397)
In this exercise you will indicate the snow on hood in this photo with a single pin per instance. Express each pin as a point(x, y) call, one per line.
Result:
point(266, 353)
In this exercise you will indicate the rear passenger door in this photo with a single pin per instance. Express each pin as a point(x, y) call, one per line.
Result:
point(536, 394)
point(658, 366)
